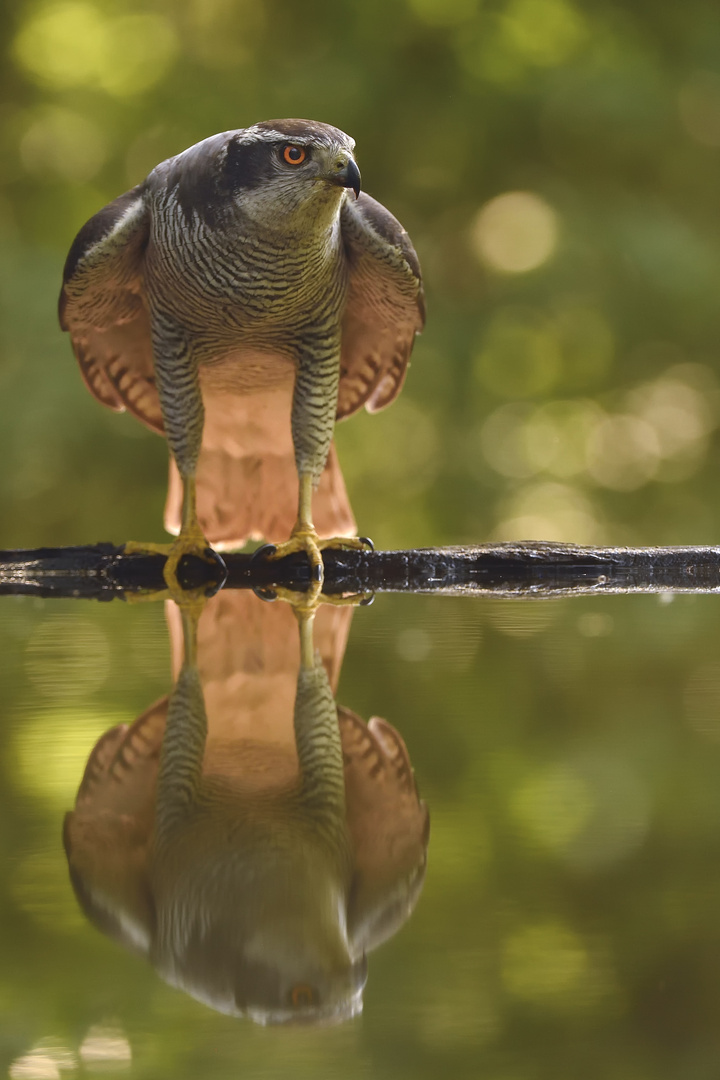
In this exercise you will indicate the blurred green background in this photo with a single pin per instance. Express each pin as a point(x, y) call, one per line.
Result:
point(557, 165)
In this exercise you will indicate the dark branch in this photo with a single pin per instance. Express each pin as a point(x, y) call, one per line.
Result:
point(104, 572)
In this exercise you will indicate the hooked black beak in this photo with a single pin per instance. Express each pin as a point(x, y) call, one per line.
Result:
point(348, 176)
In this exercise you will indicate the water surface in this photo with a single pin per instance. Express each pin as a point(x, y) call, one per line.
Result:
point(568, 752)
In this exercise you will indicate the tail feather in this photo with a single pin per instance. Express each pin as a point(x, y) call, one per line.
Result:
point(247, 485)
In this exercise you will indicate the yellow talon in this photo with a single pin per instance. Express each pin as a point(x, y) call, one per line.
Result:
point(305, 604)
point(304, 537)
point(347, 543)
point(189, 542)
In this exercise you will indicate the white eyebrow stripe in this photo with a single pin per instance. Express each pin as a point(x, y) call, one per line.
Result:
point(254, 133)
point(258, 134)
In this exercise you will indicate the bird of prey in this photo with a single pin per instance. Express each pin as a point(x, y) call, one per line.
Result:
point(246, 290)
point(250, 837)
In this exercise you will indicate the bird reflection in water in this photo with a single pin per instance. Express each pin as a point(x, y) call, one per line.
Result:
point(247, 835)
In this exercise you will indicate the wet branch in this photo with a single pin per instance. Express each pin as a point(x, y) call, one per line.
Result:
point(104, 572)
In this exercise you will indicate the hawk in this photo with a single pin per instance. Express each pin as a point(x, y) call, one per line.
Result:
point(249, 836)
point(240, 300)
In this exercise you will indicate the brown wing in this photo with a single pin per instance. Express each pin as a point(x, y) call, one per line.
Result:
point(389, 827)
point(108, 835)
point(102, 307)
point(385, 307)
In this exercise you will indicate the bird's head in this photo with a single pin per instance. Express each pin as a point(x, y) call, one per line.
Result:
point(290, 168)
point(278, 173)
point(274, 971)
point(255, 923)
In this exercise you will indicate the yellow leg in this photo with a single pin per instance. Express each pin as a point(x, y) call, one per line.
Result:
point(304, 537)
point(190, 616)
point(191, 541)
point(306, 620)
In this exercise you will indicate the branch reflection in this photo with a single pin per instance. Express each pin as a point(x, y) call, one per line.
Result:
point(247, 835)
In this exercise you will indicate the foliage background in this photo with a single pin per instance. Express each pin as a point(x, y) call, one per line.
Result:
point(566, 388)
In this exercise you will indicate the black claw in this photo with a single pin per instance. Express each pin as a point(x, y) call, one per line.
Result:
point(263, 552)
point(260, 556)
point(367, 541)
point(262, 593)
point(221, 566)
point(367, 600)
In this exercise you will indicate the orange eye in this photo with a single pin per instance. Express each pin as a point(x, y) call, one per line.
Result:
point(294, 155)
point(302, 994)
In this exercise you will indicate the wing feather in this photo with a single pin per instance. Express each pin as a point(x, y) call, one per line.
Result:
point(385, 307)
point(102, 306)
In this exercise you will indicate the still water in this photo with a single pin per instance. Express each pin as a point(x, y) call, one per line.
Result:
point(560, 921)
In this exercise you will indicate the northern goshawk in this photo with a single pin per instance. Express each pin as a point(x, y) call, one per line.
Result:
point(236, 295)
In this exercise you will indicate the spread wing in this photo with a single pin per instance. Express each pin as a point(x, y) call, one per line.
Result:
point(385, 306)
point(102, 307)
point(389, 826)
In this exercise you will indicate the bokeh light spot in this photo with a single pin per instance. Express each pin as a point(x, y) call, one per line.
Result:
point(549, 511)
point(52, 748)
point(140, 49)
point(544, 962)
point(63, 142)
point(591, 810)
point(413, 644)
point(46, 1061)
point(543, 32)
point(63, 44)
point(525, 34)
point(519, 440)
point(224, 33)
point(34, 1066)
point(682, 416)
point(515, 232)
point(75, 44)
point(105, 1048)
point(623, 453)
point(556, 436)
point(554, 807)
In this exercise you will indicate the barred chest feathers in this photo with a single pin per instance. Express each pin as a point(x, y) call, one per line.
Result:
point(247, 273)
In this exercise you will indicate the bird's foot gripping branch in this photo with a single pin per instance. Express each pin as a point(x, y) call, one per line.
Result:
point(106, 571)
